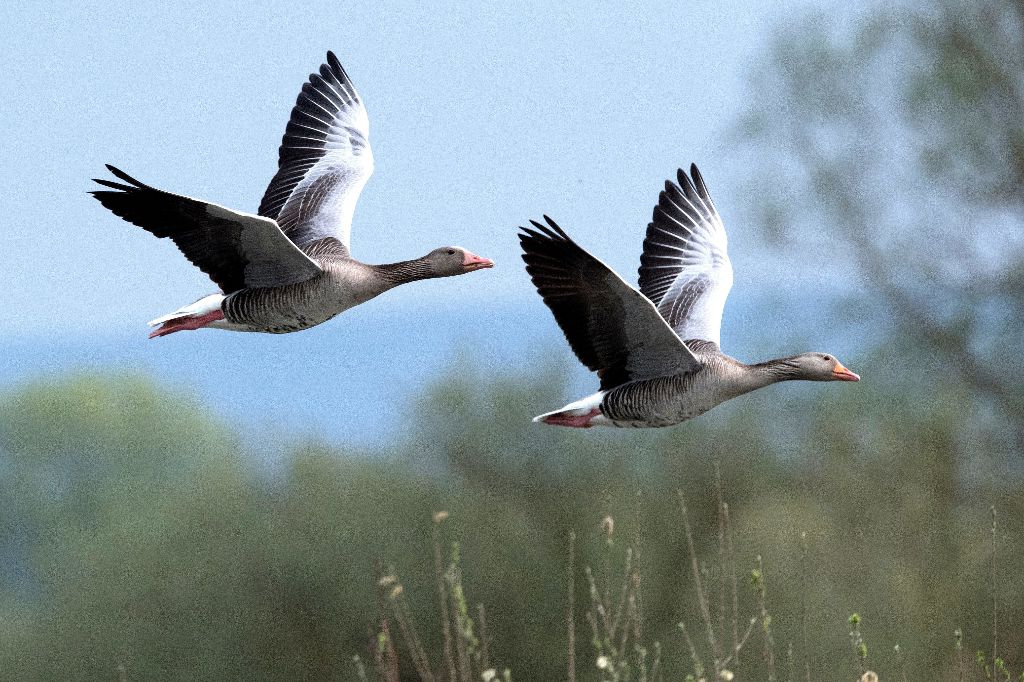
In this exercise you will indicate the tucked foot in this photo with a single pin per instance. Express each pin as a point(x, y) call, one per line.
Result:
point(575, 421)
point(187, 323)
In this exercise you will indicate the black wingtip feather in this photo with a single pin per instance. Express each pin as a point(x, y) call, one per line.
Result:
point(698, 180)
point(556, 228)
point(116, 185)
point(549, 232)
point(684, 181)
point(336, 67)
point(120, 174)
point(545, 231)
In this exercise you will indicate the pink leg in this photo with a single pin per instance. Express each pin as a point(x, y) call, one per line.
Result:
point(576, 421)
point(186, 323)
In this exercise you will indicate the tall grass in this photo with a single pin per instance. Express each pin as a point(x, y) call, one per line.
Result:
point(465, 655)
point(715, 648)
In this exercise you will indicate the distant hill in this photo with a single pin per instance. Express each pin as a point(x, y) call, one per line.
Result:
point(350, 380)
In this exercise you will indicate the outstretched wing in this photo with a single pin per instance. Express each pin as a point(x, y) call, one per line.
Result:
point(323, 162)
point(237, 250)
point(611, 327)
point(685, 268)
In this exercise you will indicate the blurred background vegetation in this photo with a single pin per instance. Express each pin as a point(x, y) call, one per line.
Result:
point(140, 537)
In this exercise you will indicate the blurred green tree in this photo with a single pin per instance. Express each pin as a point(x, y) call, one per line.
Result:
point(901, 153)
point(164, 549)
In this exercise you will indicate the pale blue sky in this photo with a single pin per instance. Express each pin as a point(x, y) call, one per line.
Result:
point(479, 120)
point(481, 117)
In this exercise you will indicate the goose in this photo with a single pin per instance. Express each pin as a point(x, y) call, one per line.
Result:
point(656, 350)
point(288, 267)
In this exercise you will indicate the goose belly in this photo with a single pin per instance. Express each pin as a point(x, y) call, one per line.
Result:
point(659, 402)
point(280, 310)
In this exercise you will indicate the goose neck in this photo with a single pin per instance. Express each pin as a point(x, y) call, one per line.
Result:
point(404, 271)
point(774, 371)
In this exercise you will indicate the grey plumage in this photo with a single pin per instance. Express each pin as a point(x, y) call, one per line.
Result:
point(669, 400)
point(656, 350)
point(288, 268)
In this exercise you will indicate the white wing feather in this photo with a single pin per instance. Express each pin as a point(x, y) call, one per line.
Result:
point(685, 268)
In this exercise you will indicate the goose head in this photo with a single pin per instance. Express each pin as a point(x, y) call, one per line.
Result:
point(819, 367)
point(447, 261)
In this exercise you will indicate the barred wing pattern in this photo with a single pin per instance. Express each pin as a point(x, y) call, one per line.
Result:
point(685, 268)
point(613, 330)
point(323, 163)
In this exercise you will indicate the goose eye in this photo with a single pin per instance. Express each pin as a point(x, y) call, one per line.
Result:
point(451, 252)
point(828, 358)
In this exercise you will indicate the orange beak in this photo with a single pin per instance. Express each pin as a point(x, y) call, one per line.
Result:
point(471, 261)
point(843, 374)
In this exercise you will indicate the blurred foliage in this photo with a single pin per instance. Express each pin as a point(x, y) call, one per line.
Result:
point(138, 533)
point(139, 537)
point(899, 157)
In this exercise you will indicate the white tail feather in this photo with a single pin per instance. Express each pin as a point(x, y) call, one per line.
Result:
point(578, 408)
point(201, 307)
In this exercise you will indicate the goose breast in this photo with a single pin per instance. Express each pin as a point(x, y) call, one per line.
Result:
point(343, 284)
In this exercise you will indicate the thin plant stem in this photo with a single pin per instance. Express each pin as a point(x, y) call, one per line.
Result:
point(442, 598)
point(624, 593)
point(595, 598)
point(634, 608)
point(995, 587)
point(637, 544)
point(571, 617)
point(958, 638)
point(699, 585)
point(462, 643)
point(358, 662)
point(485, 650)
point(743, 641)
point(736, 642)
point(641, 662)
point(624, 639)
point(857, 640)
point(656, 666)
point(387, 658)
point(768, 651)
point(376, 649)
point(698, 665)
point(408, 627)
point(803, 607)
point(595, 632)
point(901, 661)
point(608, 525)
point(721, 548)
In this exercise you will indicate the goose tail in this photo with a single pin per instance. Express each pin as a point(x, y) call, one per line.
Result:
point(203, 312)
point(582, 414)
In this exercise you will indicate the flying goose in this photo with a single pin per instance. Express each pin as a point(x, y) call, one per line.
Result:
point(655, 350)
point(287, 268)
